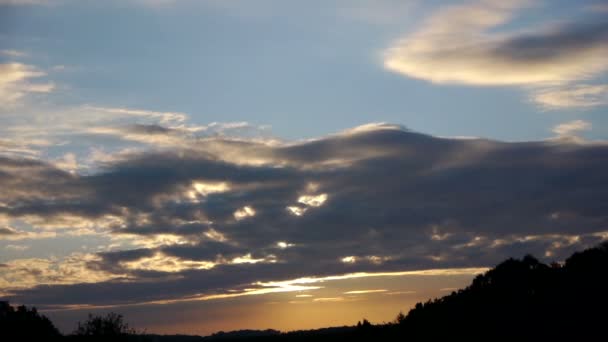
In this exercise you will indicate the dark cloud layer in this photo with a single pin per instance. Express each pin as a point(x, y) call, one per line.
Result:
point(376, 198)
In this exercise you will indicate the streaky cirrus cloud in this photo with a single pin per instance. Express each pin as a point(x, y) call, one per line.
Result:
point(470, 44)
point(376, 199)
point(13, 53)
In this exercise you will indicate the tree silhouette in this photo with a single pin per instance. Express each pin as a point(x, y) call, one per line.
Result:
point(23, 324)
point(400, 318)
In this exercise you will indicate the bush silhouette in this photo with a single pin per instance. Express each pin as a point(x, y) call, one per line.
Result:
point(110, 327)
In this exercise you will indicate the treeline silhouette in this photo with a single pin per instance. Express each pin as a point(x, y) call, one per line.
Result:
point(518, 300)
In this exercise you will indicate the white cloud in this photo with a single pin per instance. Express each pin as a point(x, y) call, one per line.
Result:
point(571, 128)
point(464, 44)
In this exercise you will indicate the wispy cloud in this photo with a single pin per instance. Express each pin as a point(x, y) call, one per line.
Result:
point(16, 82)
point(18, 248)
point(397, 293)
point(580, 95)
point(13, 53)
point(365, 291)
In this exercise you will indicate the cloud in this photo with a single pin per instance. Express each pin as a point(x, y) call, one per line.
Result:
point(166, 118)
point(13, 53)
point(571, 128)
point(18, 248)
point(26, 273)
point(365, 291)
point(85, 137)
point(207, 219)
point(15, 82)
point(581, 95)
point(468, 44)
point(9, 234)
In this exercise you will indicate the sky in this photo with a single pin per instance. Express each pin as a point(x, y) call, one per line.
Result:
point(228, 164)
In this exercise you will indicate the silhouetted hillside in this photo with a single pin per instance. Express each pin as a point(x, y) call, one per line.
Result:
point(522, 300)
point(323, 334)
point(172, 338)
point(223, 336)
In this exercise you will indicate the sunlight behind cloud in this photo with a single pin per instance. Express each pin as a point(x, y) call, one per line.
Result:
point(205, 189)
point(349, 259)
point(297, 211)
point(313, 200)
point(244, 212)
point(248, 259)
point(166, 263)
point(283, 244)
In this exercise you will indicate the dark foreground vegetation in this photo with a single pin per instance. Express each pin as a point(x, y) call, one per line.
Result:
point(518, 300)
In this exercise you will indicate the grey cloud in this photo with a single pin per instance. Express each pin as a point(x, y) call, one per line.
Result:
point(7, 231)
point(565, 41)
point(396, 200)
point(148, 129)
